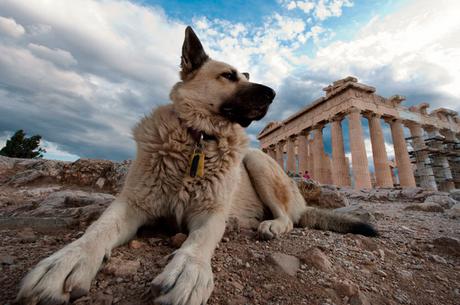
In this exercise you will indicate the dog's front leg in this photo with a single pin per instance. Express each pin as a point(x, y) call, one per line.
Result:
point(68, 273)
point(188, 279)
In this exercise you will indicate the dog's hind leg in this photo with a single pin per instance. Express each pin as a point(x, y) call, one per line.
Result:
point(277, 191)
point(67, 274)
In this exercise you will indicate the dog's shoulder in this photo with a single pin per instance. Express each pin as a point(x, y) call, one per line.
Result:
point(158, 126)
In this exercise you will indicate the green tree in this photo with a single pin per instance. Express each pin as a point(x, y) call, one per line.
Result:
point(20, 146)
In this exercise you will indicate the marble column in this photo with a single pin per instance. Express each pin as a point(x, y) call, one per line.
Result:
point(454, 160)
point(340, 173)
point(360, 167)
point(423, 163)
point(327, 169)
point(290, 163)
point(405, 173)
point(310, 144)
point(273, 152)
point(441, 166)
point(318, 152)
point(279, 153)
point(302, 151)
point(379, 154)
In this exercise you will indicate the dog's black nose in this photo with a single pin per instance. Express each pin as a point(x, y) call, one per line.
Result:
point(269, 93)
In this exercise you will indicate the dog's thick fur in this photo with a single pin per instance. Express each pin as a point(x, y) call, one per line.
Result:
point(213, 100)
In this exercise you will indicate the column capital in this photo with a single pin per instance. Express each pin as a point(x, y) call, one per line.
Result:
point(353, 109)
point(338, 117)
point(410, 123)
point(280, 143)
point(391, 120)
point(319, 125)
point(430, 128)
point(370, 114)
point(304, 132)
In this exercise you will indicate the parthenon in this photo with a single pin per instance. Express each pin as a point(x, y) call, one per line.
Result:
point(429, 158)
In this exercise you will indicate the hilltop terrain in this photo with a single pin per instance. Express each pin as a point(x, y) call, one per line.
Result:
point(415, 260)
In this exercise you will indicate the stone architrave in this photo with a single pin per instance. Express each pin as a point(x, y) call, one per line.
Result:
point(290, 162)
point(318, 153)
point(424, 169)
point(441, 164)
point(279, 153)
point(405, 173)
point(379, 154)
point(340, 175)
point(302, 151)
point(359, 163)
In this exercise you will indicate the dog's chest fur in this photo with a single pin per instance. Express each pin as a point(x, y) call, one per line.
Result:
point(159, 178)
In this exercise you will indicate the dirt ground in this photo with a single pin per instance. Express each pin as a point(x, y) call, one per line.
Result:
point(415, 260)
point(407, 264)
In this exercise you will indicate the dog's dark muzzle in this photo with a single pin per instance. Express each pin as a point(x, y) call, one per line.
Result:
point(250, 103)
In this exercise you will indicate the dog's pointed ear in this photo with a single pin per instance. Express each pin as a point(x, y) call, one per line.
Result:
point(246, 74)
point(193, 54)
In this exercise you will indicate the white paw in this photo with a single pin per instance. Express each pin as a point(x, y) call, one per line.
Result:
point(65, 275)
point(270, 229)
point(186, 280)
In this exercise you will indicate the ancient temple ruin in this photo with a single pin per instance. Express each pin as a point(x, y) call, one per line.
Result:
point(429, 158)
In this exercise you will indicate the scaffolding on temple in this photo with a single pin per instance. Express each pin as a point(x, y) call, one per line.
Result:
point(438, 158)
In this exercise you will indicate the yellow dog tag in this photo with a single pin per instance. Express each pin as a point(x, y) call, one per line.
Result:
point(197, 163)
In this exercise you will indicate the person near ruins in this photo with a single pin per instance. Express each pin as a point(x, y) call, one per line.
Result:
point(306, 176)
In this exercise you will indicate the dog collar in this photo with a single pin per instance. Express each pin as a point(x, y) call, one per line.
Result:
point(199, 135)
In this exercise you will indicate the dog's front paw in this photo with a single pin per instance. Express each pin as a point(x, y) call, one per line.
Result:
point(186, 280)
point(65, 275)
point(270, 229)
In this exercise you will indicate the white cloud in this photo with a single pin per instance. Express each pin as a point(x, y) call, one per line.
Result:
point(57, 56)
point(9, 27)
point(320, 9)
point(291, 5)
point(53, 152)
point(82, 79)
point(305, 6)
point(417, 45)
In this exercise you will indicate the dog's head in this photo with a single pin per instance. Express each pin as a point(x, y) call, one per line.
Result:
point(217, 89)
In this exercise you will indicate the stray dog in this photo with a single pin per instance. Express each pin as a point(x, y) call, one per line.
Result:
point(193, 164)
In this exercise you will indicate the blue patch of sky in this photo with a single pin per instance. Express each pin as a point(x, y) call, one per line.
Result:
point(243, 11)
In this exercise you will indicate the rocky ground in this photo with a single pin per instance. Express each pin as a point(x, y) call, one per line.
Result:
point(46, 204)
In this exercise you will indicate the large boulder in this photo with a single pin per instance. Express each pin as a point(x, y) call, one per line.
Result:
point(102, 175)
point(425, 207)
point(442, 199)
point(455, 194)
point(76, 204)
point(454, 211)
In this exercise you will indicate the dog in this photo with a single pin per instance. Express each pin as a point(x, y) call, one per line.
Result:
point(193, 165)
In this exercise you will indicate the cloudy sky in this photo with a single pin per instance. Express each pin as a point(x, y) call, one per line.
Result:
point(81, 73)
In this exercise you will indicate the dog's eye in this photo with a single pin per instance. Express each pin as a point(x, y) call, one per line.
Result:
point(231, 76)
